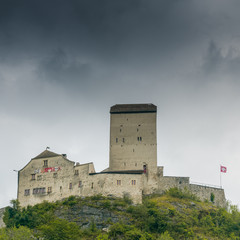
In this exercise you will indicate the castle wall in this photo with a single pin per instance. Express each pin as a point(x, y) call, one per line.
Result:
point(201, 191)
point(133, 141)
point(204, 193)
point(38, 182)
point(166, 182)
point(117, 185)
point(61, 179)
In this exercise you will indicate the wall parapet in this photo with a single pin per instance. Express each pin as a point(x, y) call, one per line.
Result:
point(206, 185)
point(206, 193)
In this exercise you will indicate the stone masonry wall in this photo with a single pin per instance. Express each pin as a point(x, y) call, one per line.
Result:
point(204, 193)
point(133, 141)
point(166, 182)
point(61, 179)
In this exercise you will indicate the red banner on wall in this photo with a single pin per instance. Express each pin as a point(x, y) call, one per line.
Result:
point(51, 169)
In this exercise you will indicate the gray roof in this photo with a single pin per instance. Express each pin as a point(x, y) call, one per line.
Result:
point(47, 154)
point(120, 172)
point(133, 108)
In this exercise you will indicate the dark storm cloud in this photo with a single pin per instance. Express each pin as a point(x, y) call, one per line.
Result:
point(119, 31)
point(59, 68)
point(64, 62)
point(218, 61)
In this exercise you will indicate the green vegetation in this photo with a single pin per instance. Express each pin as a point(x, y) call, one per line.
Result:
point(174, 215)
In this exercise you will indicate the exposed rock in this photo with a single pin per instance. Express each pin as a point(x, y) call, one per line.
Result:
point(85, 216)
point(2, 224)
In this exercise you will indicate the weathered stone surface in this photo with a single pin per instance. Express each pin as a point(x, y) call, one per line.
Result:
point(2, 224)
point(84, 216)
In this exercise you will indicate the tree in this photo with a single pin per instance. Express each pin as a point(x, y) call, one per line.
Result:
point(60, 229)
point(14, 233)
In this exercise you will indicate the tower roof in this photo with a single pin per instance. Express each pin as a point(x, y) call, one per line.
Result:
point(46, 154)
point(133, 108)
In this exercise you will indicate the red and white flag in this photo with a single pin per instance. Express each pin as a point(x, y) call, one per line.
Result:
point(223, 169)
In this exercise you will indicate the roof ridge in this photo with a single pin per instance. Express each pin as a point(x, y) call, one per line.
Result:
point(46, 154)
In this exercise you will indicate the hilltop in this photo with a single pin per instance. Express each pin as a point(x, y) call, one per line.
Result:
point(173, 215)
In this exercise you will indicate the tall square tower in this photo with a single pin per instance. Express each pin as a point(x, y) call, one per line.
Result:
point(133, 141)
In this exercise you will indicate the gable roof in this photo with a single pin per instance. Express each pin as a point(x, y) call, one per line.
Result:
point(47, 154)
point(133, 108)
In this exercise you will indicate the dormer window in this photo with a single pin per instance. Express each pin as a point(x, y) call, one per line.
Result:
point(45, 163)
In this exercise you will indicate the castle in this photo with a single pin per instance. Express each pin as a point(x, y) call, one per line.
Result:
point(132, 171)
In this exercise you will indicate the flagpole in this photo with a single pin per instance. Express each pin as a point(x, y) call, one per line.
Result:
point(224, 170)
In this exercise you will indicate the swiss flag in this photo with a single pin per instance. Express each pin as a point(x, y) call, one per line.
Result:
point(223, 169)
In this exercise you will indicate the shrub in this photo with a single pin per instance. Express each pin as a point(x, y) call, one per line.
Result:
point(165, 236)
point(60, 229)
point(182, 194)
point(212, 197)
point(14, 233)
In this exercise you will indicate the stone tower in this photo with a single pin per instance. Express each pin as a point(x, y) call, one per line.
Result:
point(133, 142)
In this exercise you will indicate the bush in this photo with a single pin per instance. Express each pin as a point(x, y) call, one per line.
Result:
point(60, 229)
point(165, 236)
point(127, 232)
point(212, 197)
point(14, 233)
point(182, 194)
point(70, 201)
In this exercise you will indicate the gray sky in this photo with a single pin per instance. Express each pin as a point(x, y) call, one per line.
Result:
point(63, 63)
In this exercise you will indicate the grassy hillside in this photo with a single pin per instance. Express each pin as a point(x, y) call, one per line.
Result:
point(174, 215)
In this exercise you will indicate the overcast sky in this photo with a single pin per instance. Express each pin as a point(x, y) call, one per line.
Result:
point(64, 63)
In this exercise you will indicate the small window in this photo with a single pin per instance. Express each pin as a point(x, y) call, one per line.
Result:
point(145, 168)
point(123, 139)
point(118, 182)
point(45, 163)
point(137, 129)
point(140, 139)
point(60, 188)
point(92, 185)
point(55, 175)
point(33, 176)
point(70, 185)
point(116, 140)
point(80, 184)
point(133, 182)
point(135, 164)
point(27, 192)
point(49, 189)
point(38, 190)
point(76, 172)
point(120, 129)
point(39, 177)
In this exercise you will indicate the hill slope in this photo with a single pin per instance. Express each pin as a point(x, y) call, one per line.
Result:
point(174, 215)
